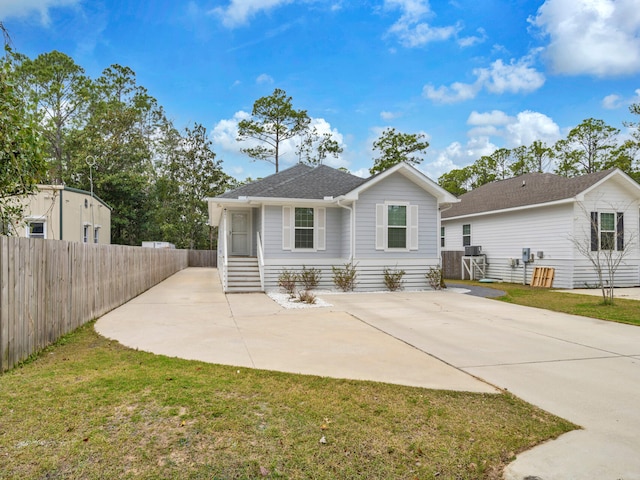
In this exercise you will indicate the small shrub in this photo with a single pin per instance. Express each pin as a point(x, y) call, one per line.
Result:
point(310, 277)
point(345, 278)
point(393, 279)
point(434, 277)
point(306, 297)
point(287, 281)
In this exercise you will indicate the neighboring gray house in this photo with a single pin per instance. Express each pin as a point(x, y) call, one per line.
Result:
point(322, 217)
point(548, 214)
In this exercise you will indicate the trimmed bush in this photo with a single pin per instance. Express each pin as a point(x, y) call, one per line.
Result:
point(345, 277)
point(393, 279)
point(287, 281)
point(310, 277)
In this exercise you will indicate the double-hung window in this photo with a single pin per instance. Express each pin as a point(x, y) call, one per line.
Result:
point(85, 233)
point(466, 234)
point(396, 226)
point(442, 231)
point(303, 228)
point(303, 236)
point(607, 231)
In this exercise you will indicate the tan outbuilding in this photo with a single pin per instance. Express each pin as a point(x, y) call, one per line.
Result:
point(62, 213)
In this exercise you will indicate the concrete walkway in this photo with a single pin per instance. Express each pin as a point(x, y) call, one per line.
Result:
point(585, 370)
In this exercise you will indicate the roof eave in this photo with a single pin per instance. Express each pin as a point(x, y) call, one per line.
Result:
point(269, 201)
point(513, 209)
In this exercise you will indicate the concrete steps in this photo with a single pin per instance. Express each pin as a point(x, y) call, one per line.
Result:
point(243, 275)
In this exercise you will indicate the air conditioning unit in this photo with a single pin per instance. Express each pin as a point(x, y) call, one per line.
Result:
point(472, 251)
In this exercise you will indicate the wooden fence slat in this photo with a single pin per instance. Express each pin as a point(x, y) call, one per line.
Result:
point(4, 307)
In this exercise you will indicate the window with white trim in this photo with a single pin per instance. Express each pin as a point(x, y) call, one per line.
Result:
point(303, 225)
point(36, 229)
point(303, 228)
point(396, 226)
point(96, 235)
point(85, 233)
point(466, 234)
point(442, 236)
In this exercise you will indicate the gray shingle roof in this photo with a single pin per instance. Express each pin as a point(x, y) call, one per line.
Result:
point(529, 189)
point(300, 181)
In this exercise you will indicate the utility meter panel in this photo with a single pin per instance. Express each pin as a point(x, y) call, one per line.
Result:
point(526, 255)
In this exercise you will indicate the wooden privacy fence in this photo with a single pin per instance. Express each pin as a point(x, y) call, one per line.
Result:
point(51, 287)
point(451, 264)
point(203, 258)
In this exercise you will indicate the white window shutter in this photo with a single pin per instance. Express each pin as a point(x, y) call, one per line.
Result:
point(380, 226)
point(413, 227)
point(286, 228)
point(321, 221)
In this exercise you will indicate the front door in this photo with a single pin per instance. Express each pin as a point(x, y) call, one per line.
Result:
point(239, 233)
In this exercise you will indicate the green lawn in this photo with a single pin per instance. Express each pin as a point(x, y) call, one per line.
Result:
point(623, 310)
point(89, 408)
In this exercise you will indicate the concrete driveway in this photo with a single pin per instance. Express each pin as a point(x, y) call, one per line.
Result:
point(585, 370)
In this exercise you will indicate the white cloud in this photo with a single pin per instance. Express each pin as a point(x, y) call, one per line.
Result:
point(322, 127)
point(614, 101)
point(23, 8)
point(238, 12)
point(225, 132)
point(510, 131)
point(421, 34)
point(456, 155)
point(389, 115)
point(522, 129)
point(530, 126)
point(412, 10)
point(495, 117)
point(411, 28)
point(473, 39)
point(611, 102)
point(515, 77)
point(594, 37)
point(362, 173)
point(264, 79)
point(457, 92)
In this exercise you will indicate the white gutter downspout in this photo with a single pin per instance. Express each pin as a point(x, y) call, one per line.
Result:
point(352, 242)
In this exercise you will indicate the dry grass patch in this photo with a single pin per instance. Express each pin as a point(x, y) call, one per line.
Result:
point(89, 408)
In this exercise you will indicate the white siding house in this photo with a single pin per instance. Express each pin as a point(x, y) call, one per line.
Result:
point(320, 217)
point(552, 217)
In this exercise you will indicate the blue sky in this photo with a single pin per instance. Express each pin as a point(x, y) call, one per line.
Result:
point(471, 75)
